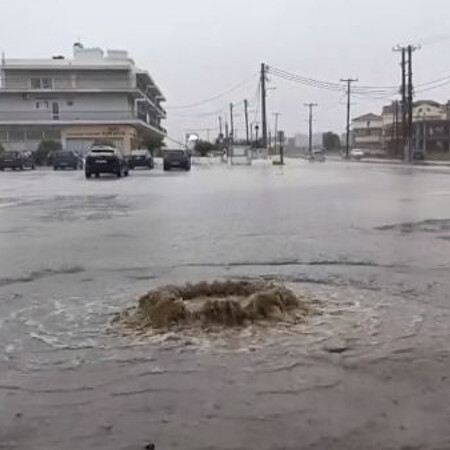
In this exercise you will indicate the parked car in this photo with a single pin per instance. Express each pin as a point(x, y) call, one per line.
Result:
point(141, 158)
point(419, 155)
point(66, 159)
point(105, 159)
point(357, 154)
point(317, 155)
point(179, 159)
point(16, 160)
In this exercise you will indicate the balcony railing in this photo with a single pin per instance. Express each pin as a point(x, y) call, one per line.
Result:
point(74, 116)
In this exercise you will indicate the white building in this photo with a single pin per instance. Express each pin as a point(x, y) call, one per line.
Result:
point(367, 132)
point(77, 101)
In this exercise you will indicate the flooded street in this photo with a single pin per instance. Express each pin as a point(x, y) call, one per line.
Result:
point(370, 242)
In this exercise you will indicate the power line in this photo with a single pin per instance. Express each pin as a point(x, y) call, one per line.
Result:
point(311, 82)
point(216, 97)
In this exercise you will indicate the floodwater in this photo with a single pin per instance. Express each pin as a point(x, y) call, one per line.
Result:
point(371, 371)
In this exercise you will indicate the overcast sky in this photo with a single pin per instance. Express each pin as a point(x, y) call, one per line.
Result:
point(197, 49)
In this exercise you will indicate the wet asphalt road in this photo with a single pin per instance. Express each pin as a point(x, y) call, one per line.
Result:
point(372, 242)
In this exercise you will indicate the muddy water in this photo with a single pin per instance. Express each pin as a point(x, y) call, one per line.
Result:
point(370, 370)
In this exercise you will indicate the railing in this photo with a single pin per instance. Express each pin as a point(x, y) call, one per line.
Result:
point(49, 114)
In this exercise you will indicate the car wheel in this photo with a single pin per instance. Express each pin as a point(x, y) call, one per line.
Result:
point(20, 167)
point(88, 175)
point(119, 173)
point(166, 167)
point(127, 173)
point(97, 174)
point(55, 167)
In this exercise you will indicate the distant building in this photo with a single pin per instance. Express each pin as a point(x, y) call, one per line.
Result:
point(367, 132)
point(431, 130)
point(76, 101)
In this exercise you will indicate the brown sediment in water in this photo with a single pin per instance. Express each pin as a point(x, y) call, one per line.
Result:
point(220, 304)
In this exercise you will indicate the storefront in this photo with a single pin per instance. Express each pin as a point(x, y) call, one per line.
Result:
point(81, 138)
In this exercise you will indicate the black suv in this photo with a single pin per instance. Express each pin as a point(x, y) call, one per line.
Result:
point(66, 159)
point(16, 160)
point(140, 158)
point(105, 159)
point(176, 158)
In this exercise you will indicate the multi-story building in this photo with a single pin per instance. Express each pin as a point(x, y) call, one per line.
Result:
point(77, 101)
point(367, 132)
point(431, 127)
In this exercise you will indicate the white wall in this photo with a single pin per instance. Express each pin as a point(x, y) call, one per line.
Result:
point(102, 106)
point(367, 124)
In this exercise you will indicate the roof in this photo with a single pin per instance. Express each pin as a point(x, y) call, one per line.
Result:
point(427, 102)
point(367, 117)
point(92, 59)
point(65, 64)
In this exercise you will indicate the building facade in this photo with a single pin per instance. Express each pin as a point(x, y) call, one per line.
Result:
point(77, 101)
point(431, 128)
point(367, 132)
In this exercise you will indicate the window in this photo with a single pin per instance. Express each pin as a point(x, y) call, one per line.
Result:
point(55, 110)
point(16, 136)
point(34, 135)
point(69, 102)
point(35, 83)
point(38, 105)
point(41, 83)
point(47, 83)
point(53, 135)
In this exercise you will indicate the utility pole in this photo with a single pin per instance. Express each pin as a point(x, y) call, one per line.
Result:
point(263, 105)
point(220, 126)
point(276, 115)
point(227, 139)
point(407, 91)
point(411, 49)
point(310, 106)
point(231, 122)
point(395, 133)
point(246, 122)
point(424, 130)
point(349, 82)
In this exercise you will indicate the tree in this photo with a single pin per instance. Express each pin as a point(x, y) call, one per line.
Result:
point(152, 141)
point(331, 141)
point(204, 147)
point(45, 150)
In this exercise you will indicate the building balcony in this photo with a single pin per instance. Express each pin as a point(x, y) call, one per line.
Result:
point(49, 117)
point(367, 139)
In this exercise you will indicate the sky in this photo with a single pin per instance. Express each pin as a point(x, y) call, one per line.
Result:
point(199, 49)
